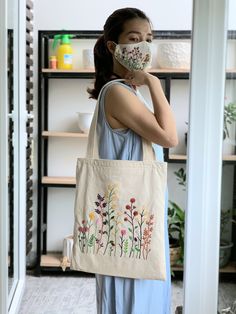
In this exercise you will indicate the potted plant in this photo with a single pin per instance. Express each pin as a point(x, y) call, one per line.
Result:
point(229, 119)
point(176, 219)
point(176, 222)
point(225, 245)
point(176, 225)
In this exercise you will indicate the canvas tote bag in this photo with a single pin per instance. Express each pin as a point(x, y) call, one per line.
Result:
point(119, 213)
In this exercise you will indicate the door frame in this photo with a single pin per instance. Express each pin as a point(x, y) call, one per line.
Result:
point(11, 304)
point(3, 160)
point(204, 164)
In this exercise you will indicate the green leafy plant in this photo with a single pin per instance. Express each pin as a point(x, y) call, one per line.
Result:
point(181, 177)
point(229, 118)
point(176, 222)
point(176, 218)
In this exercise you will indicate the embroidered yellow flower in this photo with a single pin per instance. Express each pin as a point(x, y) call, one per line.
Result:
point(91, 215)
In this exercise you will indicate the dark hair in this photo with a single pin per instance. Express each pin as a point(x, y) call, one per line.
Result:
point(102, 57)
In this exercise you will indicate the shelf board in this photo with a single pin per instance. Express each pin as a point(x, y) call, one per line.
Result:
point(229, 157)
point(168, 70)
point(89, 73)
point(55, 260)
point(152, 70)
point(230, 268)
point(63, 134)
point(54, 181)
point(52, 260)
point(173, 73)
point(68, 71)
point(175, 157)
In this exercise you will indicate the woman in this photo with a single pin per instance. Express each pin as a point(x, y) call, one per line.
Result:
point(124, 52)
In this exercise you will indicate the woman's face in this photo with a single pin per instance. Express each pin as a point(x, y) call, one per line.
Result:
point(135, 30)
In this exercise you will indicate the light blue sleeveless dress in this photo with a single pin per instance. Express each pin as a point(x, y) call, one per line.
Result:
point(117, 295)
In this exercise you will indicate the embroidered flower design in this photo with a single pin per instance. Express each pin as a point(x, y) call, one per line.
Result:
point(111, 230)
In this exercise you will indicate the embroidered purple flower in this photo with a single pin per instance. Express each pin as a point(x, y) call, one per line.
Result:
point(100, 198)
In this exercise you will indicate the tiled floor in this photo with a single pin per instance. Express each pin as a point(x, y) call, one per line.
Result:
point(76, 295)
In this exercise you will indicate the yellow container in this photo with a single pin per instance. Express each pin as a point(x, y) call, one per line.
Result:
point(64, 57)
point(64, 51)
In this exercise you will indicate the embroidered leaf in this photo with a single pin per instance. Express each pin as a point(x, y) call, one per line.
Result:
point(131, 238)
point(112, 217)
point(91, 240)
point(130, 229)
point(111, 227)
point(136, 227)
point(126, 246)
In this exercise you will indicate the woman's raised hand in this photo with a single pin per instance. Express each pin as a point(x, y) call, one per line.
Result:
point(138, 77)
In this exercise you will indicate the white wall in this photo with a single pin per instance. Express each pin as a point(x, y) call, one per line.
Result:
point(168, 14)
point(91, 15)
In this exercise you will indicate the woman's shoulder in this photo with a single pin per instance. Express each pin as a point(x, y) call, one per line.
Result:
point(117, 88)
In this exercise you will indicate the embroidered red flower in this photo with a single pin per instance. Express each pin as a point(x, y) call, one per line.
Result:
point(132, 200)
point(123, 232)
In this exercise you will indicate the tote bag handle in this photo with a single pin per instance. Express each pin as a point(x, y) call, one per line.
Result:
point(92, 147)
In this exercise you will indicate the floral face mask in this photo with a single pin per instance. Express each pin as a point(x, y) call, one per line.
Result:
point(136, 56)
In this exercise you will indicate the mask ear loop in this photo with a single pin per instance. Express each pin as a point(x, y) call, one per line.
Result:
point(132, 86)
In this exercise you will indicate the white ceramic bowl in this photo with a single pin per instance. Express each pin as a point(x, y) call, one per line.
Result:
point(84, 121)
point(174, 54)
